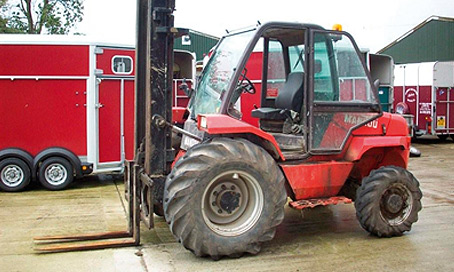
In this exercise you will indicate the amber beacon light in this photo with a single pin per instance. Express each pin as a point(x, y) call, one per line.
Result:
point(337, 27)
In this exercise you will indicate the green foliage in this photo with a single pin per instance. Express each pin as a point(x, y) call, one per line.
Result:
point(40, 16)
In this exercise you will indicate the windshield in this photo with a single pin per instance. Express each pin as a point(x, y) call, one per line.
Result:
point(219, 72)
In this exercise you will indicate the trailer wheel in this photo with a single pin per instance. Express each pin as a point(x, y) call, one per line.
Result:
point(14, 175)
point(224, 198)
point(442, 137)
point(56, 173)
point(388, 201)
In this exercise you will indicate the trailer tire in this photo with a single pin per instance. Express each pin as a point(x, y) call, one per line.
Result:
point(442, 137)
point(55, 173)
point(388, 201)
point(14, 175)
point(224, 197)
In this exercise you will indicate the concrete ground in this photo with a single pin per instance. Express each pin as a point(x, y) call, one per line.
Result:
point(321, 239)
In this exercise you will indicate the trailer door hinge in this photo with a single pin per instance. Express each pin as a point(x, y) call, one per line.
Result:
point(99, 105)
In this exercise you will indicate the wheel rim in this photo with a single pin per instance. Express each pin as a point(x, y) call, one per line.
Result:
point(12, 175)
point(396, 204)
point(55, 174)
point(232, 203)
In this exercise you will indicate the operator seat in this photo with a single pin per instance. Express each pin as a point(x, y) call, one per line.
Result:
point(289, 98)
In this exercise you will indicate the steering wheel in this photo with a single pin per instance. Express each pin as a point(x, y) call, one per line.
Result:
point(248, 86)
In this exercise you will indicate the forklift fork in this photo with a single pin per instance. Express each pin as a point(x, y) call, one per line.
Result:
point(130, 237)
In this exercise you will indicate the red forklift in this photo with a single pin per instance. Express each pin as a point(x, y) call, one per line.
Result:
point(321, 139)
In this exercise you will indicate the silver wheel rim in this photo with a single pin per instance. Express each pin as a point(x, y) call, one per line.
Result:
point(55, 174)
point(401, 214)
point(12, 175)
point(244, 191)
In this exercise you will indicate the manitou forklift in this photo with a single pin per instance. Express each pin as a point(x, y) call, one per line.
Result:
point(319, 138)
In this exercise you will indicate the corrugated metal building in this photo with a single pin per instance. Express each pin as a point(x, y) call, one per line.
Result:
point(197, 42)
point(432, 40)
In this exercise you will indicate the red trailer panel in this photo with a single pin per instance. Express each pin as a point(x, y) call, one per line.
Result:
point(44, 60)
point(424, 90)
point(73, 100)
point(38, 114)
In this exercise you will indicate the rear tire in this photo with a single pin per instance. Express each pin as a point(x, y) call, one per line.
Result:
point(388, 201)
point(56, 173)
point(14, 175)
point(224, 198)
point(442, 137)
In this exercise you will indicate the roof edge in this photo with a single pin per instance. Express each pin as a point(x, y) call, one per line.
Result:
point(420, 25)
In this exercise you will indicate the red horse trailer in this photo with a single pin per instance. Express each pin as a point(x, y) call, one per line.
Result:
point(67, 108)
point(426, 91)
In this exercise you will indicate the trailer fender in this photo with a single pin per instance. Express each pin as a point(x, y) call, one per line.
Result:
point(18, 153)
point(58, 152)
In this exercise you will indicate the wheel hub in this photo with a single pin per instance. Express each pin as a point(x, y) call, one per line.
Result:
point(12, 175)
point(229, 201)
point(55, 174)
point(226, 198)
point(232, 203)
point(394, 203)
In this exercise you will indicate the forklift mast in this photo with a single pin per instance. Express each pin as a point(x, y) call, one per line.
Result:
point(153, 104)
point(155, 40)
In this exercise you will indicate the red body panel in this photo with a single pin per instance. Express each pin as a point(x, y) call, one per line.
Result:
point(110, 118)
point(38, 114)
point(104, 60)
point(178, 115)
point(109, 121)
point(248, 101)
point(360, 145)
point(323, 176)
point(129, 101)
point(427, 111)
point(224, 124)
point(44, 60)
point(444, 116)
point(315, 180)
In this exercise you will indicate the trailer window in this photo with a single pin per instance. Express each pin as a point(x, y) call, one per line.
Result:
point(122, 65)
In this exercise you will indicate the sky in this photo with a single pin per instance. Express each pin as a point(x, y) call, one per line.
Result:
point(373, 24)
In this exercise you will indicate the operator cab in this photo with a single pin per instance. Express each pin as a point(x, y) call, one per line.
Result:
point(306, 86)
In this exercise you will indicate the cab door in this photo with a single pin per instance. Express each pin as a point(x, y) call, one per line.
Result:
point(341, 96)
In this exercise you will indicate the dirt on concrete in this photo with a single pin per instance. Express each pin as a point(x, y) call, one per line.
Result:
point(319, 239)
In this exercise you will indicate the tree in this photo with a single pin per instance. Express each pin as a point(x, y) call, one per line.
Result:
point(40, 16)
point(4, 28)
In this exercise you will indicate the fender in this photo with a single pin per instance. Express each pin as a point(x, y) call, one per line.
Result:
point(360, 145)
point(20, 154)
point(216, 124)
point(59, 152)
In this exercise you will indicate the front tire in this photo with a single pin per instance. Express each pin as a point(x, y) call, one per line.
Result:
point(56, 173)
point(224, 198)
point(388, 201)
point(14, 175)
